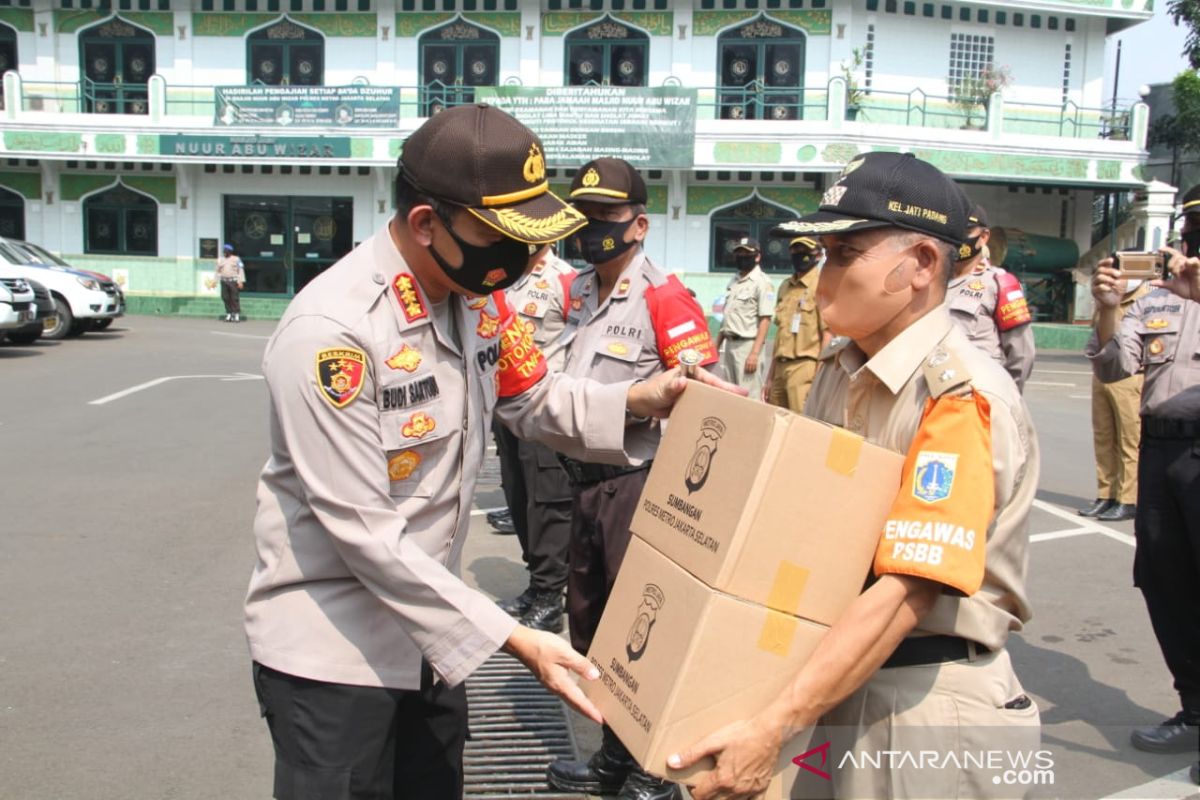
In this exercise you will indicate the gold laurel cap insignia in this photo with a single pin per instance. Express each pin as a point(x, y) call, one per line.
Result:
point(535, 165)
point(591, 178)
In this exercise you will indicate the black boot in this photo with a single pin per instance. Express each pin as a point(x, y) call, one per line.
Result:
point(1118, 512)
point(644, 786)
point(603, 773)
point(517, 606)
point(545, 613)
point(1179, 734)
point(1101, 505)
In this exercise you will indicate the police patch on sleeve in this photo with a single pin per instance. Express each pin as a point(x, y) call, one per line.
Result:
point(340, 374)
point(933, 479)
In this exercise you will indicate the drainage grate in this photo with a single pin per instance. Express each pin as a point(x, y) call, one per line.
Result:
point(517, 729)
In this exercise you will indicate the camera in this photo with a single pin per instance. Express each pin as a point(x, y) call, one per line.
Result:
point(1140, 266)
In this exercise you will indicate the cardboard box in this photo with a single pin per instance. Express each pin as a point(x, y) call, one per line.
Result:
point(678, 659)
point(767, 505)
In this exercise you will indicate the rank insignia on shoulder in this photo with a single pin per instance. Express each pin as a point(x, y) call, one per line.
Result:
point(410, 298)
point(623, 287)
point(1155, 347)
point(488, 325)
point(418, 426)
point(1157, 323)
point(933, 478)
point(408, 359)
point(402, 465)
point(340, 374)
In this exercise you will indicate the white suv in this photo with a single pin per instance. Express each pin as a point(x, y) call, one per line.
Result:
point(81, 299)
point(16, 302)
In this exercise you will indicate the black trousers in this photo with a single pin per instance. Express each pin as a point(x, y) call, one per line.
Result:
point(547, 519)
point(1166, 566)
point(512, 479)
point(600, 517)
point(339, 742)
point(230, 296)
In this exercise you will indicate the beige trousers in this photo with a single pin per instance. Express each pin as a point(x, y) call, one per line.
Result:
point(1116, 434)
point(733, 360)
point(791, 382)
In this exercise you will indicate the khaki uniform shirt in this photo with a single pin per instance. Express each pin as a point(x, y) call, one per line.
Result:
point(541, 298)
point(798, 324)
point(637, 332)
point(748, 298)
point(230, 268)
point(883, 399)
point(1160, 336)
point(972, 300)
point(363, 508)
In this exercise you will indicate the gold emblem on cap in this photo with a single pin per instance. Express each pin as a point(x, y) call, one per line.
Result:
point(535, 165)
point(590, 178)
point(853, 165)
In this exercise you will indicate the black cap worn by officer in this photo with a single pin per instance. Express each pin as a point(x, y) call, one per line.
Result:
point(609, 182)
point(484, 161)
point(1190, 233)
point(978, 233)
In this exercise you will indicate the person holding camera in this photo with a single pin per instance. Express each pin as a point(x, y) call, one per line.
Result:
point(1160, 336)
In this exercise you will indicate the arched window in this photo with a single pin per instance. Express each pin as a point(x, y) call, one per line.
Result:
point(12, 214)
point(286, 54)
point(120, 221)
point(118, 60)
point(762, 71)
point(8, 54)
point(455, 58)
point(754, 218)
point(606, 53)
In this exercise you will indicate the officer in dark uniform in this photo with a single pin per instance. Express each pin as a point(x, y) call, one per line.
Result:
point(1160, 336)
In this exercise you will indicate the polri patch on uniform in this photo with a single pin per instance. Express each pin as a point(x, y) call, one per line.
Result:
point(340, 373)
point(410, 298)
point(1155, 347)
point(933, 477)
point(402, 465)
point(407, 358)
point(419, 426)
point(488, 325)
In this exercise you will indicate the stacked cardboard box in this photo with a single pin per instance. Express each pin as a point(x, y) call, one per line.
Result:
point(755, 531)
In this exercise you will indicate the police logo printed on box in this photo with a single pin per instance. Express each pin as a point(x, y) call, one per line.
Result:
point(934, 475)
point(711, 431)
point(643, 622)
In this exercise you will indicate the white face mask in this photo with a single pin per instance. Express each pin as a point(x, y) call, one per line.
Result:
point(1132, 283)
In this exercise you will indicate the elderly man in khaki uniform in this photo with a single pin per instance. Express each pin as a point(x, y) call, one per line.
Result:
point(799, 332)
point(917, 663)
point(540, 300)
point(627, 320)
point(1116, 433)
point(383, 376)
point(1160, 336)
point(749, 304)
point(989, 304)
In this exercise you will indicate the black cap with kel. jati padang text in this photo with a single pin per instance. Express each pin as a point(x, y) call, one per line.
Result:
point(484, 160)
point(896, 190)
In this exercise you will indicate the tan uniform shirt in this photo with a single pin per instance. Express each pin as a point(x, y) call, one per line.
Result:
point(363, 508)
point(748, 298)
point(972, 300)
point(1160, 335)
point(798, 324)
point(541, 298)
point(884, 398)
point(230, 268)
point(623, 339)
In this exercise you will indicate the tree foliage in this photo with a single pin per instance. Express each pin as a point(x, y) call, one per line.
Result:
point(1181, 131)
point(1188, 11)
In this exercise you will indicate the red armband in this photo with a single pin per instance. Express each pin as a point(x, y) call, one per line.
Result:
point(679, 323)
point(521, 362)
point(1011, 309)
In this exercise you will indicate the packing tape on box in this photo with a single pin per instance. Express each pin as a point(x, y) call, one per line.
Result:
point(844, 448)
point(777, 633)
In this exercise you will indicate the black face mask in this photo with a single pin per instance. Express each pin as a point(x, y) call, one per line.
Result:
point(602, 241)
point(745, 263)
point(1191, 243)
point(803, 262)
point(485, 269)
point(972, 243)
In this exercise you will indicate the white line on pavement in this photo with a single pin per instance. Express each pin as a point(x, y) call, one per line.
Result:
point(239, 376)
point(239, 335)
point(1169, 787)
point(1091, 526)
point(1065, 533)
point(1047, 383)
point(1041, 371)
point(1079, 397)
point(479, 512)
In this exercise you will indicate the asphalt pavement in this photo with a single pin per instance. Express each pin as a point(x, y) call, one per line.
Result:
point(128, 461)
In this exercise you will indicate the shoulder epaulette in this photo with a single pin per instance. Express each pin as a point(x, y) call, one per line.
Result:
point(945, 373)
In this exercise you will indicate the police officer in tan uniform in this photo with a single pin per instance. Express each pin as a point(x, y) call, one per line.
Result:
point(799, 332)
point(749, 304)
point(627, 320)
point(1117, 432)
point(989, 304)
point(917, 662)
point(1160, 336)
point(383, 376)
point(540, 300)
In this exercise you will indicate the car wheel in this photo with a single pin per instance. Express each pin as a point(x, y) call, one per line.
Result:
point(64, 323)
point(24, 337)
point(101, 324)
